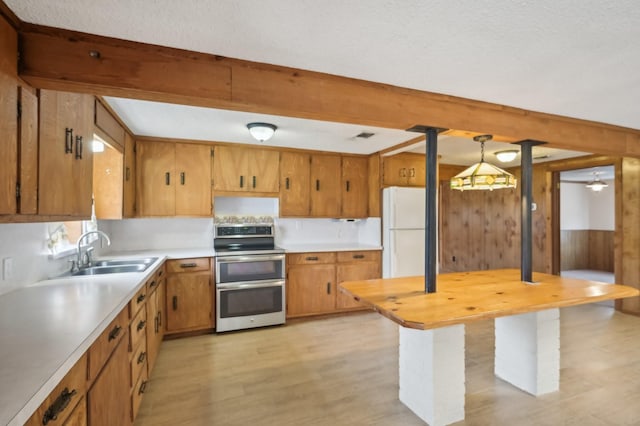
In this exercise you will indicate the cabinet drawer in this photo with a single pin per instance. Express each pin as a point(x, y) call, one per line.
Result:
point(155, 280)
point(78, 416)
point(187, 265)
point(138, 362)
point(138, 301)
point(310, 258)
point(105, 344)
point(63, 398)
point(138, 327)
point(358, 256)
point(136, 394)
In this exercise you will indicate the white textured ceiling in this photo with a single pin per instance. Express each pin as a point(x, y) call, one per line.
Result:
point(578, 58)
point(606, 173)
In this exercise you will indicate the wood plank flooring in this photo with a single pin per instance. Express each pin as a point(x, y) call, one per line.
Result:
point(344, 371)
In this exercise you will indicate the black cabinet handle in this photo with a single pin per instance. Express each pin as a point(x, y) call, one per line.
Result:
point(127, 173)
point(141, 325)
point(167, 178)
point(347, 186)
point(311, 258)
point(152, 284)
point(140, 298)
point(241, 181)
point(175, 303)
point(141, 358)
point(403, 172)
point(328, 288)
point(156, 320)
point(68, 140)
point(412, 172)
point(159, 319)
point(317, 184)
point(160, 272)
point(188, 265)
point(115, 332)
point(254, 181)
point(78, 147)
point(58, 406)
point(181, 178)
point(286, 183)
point(143, 387)
point(358, 256)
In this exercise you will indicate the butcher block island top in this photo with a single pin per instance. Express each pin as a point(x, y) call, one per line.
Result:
point(464, 297)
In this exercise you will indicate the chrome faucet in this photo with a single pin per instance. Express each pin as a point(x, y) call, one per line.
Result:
point(84, 260)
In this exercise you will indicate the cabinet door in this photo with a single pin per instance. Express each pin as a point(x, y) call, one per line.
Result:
point(156, 176)
point(65, 157)
point(152, 329)
point(8, 118)
point(193, 180)
point(189, 301)
point(230, 169)
point(28, 140)
point(326, 193)
point(294, 184)
point(355, 186)
point(108, 399)
point(311, 289)
point(263, 170)
point(129, 178)
point(417, 170)
point(394, 171)
point(354, 272)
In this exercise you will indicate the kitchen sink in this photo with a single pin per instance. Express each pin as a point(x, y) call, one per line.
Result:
point(102, 267)
point(146, 261)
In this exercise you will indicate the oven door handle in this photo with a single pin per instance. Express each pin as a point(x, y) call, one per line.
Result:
point(245, 285)
point(258, 258)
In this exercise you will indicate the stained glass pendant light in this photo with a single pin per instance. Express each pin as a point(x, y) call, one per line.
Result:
point(483, 175)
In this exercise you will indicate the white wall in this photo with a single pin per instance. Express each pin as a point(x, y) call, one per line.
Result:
point(582, 208)
point(328, 231)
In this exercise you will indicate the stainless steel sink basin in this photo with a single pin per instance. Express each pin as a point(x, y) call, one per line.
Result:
point(145, 261)
point(116, 269)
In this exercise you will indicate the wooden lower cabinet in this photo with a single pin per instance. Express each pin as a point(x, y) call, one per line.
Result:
point(108, 399)
point(189, 297)
point(78, 416)
point(312, 280)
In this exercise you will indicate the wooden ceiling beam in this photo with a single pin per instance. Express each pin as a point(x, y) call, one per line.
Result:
point(67, 60)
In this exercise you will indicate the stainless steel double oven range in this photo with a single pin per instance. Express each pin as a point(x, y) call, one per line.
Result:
point(250, 277)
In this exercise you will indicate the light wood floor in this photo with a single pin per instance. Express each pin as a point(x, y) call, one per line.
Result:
point(344, 371)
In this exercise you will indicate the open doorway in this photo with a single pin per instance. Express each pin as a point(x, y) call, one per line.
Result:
point(587, 223)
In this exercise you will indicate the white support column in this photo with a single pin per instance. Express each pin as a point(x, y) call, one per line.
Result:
point(528, 351)
point(432, 373)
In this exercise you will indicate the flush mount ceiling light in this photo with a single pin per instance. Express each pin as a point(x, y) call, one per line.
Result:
point(482, 175)
point(506, 156)
point(596, 184)
point(261, 131)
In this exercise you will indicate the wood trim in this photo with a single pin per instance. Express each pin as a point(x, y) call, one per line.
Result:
point(59, 59)
point(9, 16)
point(405, 144)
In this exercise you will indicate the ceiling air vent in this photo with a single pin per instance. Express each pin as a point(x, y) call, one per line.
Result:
point(365, 135)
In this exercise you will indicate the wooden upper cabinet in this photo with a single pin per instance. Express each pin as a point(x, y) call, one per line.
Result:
point(294, 184)
point(355, 186)
point(65, 180)
point(8, 118)
point(129, 178)
point(326, 194)
point(28, 142)
point(238, 169)
point(173, 179)
point(405, 169)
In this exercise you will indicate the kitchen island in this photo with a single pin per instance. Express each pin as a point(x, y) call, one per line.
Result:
point(432, 379)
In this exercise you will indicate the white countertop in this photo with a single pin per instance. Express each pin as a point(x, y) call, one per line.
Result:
point(308, 248)
point(47, 326)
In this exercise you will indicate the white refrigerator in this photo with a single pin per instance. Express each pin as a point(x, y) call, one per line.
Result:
point(403, 216)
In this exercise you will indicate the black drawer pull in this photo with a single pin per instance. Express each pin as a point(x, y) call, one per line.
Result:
point(78, 147)
point(175, 303)
point(254, 181)
point(160, 272)
point(142, 357)
point(286, 183)
point(403, 172)
point(317, 184)
point(167, 178)
point(311, 258)
point(358, 256)
point(68, 141)
point(347, 186)
point(141, 325)
point(412, 172)
point(152, 284)
point(241, 181)
point(58, 406)
point(115, 332)
point(143, 387)
point(188, 265)
point(127, 174)
point(140, 298)
point(328, 288)
point(181, 178)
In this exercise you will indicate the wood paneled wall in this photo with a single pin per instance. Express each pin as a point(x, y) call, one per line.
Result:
point(587, 249)
point(629, 264)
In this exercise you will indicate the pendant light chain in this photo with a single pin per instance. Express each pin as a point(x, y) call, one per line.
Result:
point(482, 152)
